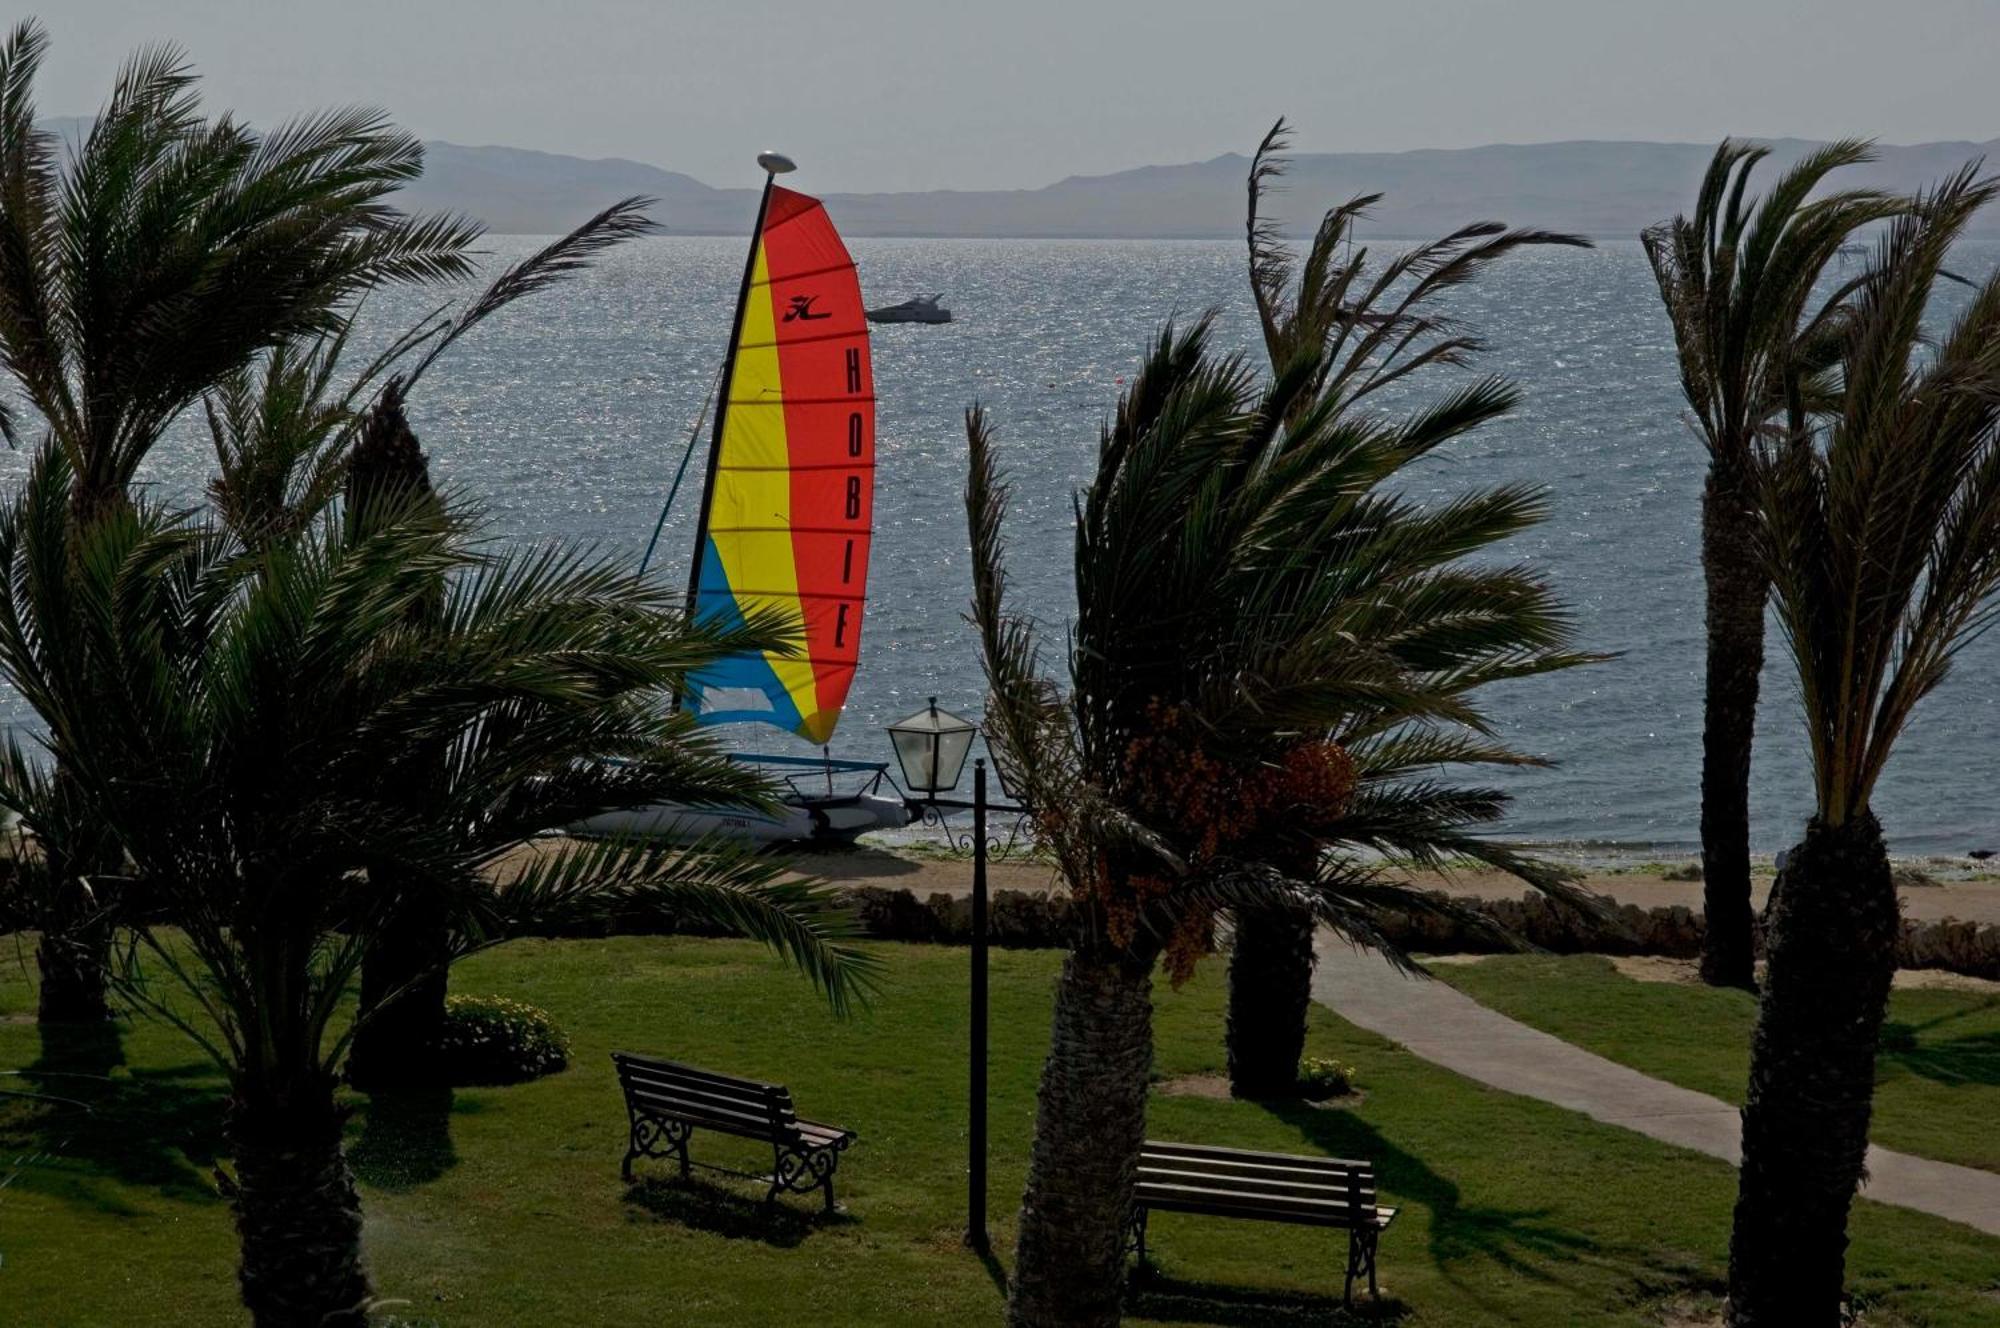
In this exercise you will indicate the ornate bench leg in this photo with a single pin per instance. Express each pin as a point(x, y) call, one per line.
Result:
point(677, 1133)
point(1135, 1238)
point(1360, 1259)
point(783, 1165)
point(648, 1134)
point(644, 1129)
point(802, 1173)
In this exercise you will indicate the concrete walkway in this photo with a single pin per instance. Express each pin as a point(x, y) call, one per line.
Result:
point(1450, 1029)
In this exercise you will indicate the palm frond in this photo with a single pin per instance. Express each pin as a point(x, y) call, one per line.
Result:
point(167, 250)
point(1880, 517)
point(288, 442)
point(1270, 260)
point(1739, 287)
point(548, 266)
point(727, 885)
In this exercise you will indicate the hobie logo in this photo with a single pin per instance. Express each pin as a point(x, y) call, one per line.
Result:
point(802, 309)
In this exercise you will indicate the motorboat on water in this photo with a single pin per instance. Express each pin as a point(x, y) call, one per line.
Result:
point(923, 309)
point(785, 526)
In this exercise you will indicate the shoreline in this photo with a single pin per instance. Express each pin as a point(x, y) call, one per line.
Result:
point(1594, 857)
point(1965, 890)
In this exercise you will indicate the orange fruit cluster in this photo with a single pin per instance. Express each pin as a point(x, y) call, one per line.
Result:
point(1214, 806)
point(1220, 804)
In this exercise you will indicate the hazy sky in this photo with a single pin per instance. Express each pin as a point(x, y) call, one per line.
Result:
point(906, 94)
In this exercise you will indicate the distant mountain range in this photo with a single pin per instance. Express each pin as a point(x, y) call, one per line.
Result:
point(1601, 189)
point(1597, 188)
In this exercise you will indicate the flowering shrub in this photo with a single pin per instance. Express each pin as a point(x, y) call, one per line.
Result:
point(1322, 1077)
point(492, 1040)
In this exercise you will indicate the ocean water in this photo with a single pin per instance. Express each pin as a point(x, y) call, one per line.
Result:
point(566, 415)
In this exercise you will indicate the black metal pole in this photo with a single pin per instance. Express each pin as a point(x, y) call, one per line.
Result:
point(975, 1231)
point(722, 407)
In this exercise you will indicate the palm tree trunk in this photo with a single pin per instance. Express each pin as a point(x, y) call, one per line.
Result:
point(387, 472)
point(1270, 994)
point(73, 964)
point(1737, 589)
point(74, 955)
point(407, 962)
point(1090, 1120)
point(298, 1217)
point(1832, 947)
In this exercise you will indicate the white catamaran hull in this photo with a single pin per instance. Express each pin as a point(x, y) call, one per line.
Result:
point(825, 820)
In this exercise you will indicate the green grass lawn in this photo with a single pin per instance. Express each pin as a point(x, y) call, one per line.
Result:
point(503, 1206)
point(1937, 1080)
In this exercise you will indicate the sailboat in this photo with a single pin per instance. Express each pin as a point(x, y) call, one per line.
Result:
point(786, 524)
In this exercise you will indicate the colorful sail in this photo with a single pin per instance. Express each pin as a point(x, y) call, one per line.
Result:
point(790, 503)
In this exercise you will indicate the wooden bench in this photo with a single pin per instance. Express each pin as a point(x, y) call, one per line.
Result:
point(1270, 1187)
point(667, 1101)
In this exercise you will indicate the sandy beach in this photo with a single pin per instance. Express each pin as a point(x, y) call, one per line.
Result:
point(1976, 899)
point(1963, 890)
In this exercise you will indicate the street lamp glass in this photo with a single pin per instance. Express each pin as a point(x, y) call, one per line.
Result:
point(1003, 766)
point(931, 747)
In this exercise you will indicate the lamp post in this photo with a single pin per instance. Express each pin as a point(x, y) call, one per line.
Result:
point(931, 747)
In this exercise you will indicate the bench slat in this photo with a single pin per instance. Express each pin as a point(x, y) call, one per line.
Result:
point(739, 1106)
point(1303, 1189)
point(756, 1127)
point(658, 1065)
point(1200, 1199)
point(1381, 1220)
point(1251, 1171)
point(1244, 1156)
point(746, 1093)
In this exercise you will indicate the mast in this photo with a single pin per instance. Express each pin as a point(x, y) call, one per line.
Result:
point(774, 164)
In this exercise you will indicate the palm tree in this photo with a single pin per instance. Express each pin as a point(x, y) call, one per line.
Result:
point(288, 443)
point(1220, 554)
point(1739, 286)
point(236, 757)
point(290, 439)
point(1880, 530)
point(1362, 332)
point(151, 258)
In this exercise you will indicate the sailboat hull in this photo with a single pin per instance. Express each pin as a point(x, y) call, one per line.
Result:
point(834, 819)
